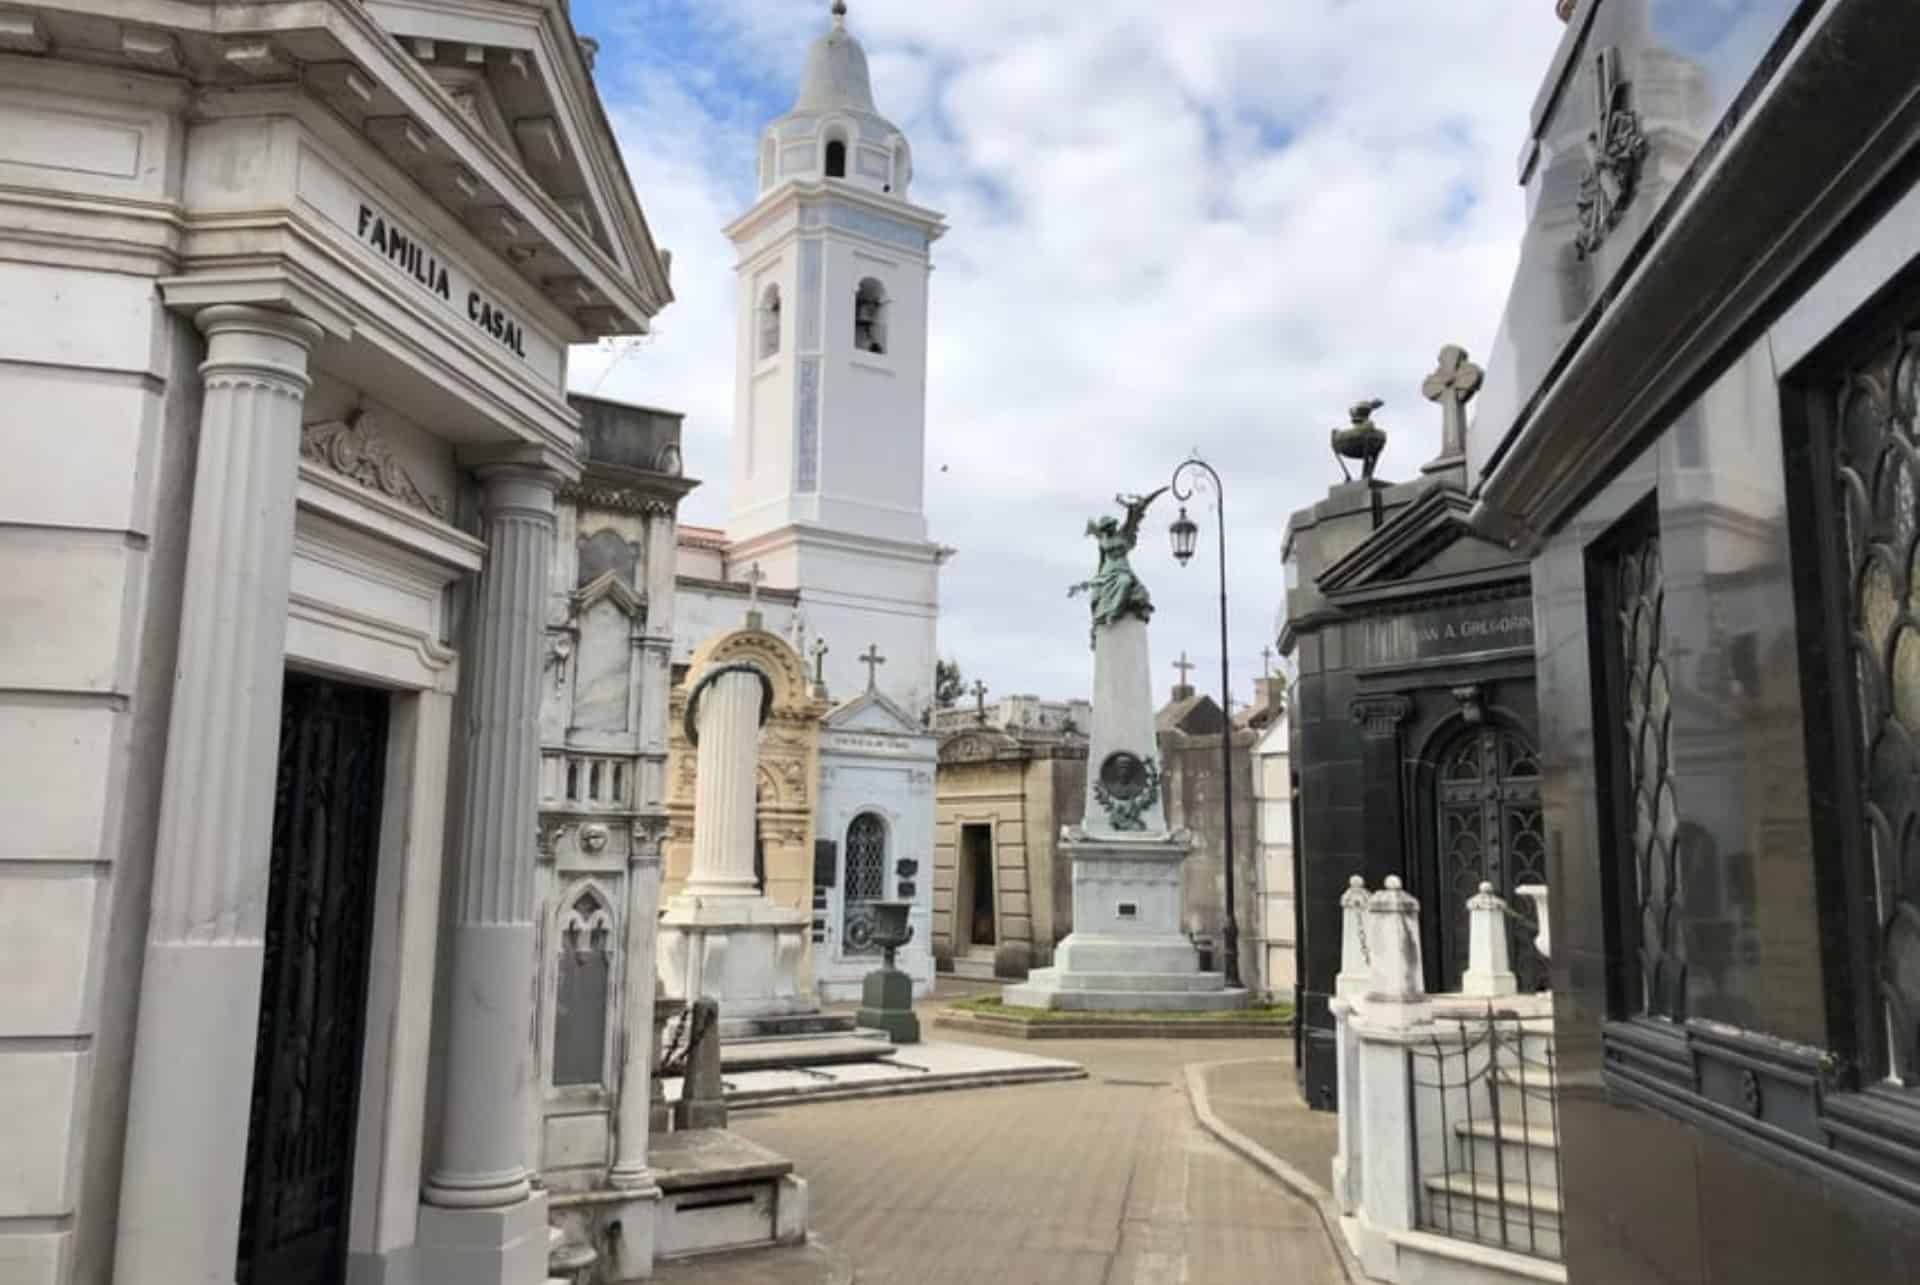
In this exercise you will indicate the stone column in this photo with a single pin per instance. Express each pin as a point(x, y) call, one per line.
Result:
point(192, 1086)
point(480, 1224)
point(636, 1063)
point(728, 719)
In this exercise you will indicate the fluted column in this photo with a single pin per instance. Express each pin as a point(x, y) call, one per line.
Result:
point(728, 719)
point(636, 1059)
point(482, 1161)
point(192, 1088)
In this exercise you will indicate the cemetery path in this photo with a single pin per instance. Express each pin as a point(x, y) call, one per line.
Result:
point(1102, 1181)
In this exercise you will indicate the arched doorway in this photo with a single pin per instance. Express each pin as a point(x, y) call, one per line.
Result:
point(866, 882)
point(1487, 806)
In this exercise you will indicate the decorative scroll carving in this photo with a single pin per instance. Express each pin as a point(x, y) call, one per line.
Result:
point(1615, 147)
point(1380, 715)
point(357, 453)
point(620, 499)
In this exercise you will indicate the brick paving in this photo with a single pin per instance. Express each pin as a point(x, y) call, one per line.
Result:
point(1106, 1181)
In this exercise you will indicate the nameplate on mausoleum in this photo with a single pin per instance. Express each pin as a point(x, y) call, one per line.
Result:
point(1442, 633)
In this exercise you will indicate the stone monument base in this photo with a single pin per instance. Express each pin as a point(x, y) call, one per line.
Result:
point(742, 951)
point(1126, 952)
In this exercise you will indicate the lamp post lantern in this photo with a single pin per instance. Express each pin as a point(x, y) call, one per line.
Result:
point(1184, 532)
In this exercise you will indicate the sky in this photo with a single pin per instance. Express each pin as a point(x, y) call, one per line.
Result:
point(1209, 225)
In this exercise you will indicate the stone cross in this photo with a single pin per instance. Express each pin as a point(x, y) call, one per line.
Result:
point(755, 577)
point(872, 659)
point(979, 690)
point(820, 650)
point(1266, 662)
point(1186, 668)
point(1452, 385)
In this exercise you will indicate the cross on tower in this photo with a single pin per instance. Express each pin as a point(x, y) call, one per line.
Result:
point(979, 690)
point(1266, 662)
point(1186, 668)
point(820, 650)
point(872, 659)
point(1451, 386)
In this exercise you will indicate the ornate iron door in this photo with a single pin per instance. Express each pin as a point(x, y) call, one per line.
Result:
point(865, 884)
point(306, 1070)
point(1490, 831)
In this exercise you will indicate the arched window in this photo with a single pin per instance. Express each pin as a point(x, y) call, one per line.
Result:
point(770, 322)
point(870, 317)
point(836, 158)
point(866, 881)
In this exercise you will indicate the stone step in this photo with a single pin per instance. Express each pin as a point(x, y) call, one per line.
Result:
point(721, 1192)
point(812, 1050)
point(977, 968)
point(1172, 982)
point(1477, 1208)
point(783, 1027)
point(1515, 1145)
point(1029, 995)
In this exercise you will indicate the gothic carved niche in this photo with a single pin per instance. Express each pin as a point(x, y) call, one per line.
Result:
point(351, 448)
point(1615, 145)
point(583, 975)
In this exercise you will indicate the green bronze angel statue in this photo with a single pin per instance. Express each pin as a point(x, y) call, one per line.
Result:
point(1115, 591)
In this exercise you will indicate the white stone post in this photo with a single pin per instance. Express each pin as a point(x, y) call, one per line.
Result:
point(1488, 974)
point(636, 1061)
point(1349, 986)
point(192, 1088)
point(1395, 1014)
point(482, 1222)
point(1542, 939)
point(728, 719)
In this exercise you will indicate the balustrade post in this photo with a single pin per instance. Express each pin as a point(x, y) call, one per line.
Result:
point(1489, 974)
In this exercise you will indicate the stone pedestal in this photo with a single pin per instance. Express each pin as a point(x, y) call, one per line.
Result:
point(719, 938)
point(886, 1004)
point(1126, 951)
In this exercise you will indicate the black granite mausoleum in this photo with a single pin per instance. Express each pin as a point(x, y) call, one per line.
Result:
point(1413, 717)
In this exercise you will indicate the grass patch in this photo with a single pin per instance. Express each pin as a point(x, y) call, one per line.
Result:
point(990, 1006)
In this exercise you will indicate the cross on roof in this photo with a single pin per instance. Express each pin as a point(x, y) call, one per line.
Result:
point(1186, 668)
point(872, 659)
point(1451, 386)
point(1266, 662)
point(979, 690)
point(754, 577)
point(820, 650)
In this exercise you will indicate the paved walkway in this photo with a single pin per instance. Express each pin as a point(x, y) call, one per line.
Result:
point(1107, 1181)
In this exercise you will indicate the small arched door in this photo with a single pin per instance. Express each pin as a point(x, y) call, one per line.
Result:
point(866, 883)
point(1488, 809)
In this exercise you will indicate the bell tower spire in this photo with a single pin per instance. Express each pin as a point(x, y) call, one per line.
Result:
point(830, 387)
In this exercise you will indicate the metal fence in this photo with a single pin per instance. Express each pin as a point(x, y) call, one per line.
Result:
point(1486, 1135)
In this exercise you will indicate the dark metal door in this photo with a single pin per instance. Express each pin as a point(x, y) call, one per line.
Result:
point(1490, 831)
point(306, 1070)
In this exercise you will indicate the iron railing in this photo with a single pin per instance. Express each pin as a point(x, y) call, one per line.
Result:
point(1489, 1079)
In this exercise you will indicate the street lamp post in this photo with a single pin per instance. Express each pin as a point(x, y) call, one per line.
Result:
point(1184, 532)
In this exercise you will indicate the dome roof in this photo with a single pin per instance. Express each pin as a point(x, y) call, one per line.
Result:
point(836, 77)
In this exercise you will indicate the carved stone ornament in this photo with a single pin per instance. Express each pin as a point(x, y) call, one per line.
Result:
point(356, 452)
point(1380, 715)
point(1470, 699)
point(593, 838)
point(1126, 788)
point(619, 499)
point(1616, 145)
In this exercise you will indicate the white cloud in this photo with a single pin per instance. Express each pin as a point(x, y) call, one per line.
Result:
point(1210, 224)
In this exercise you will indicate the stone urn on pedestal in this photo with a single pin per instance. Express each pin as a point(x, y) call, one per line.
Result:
point(886, 996)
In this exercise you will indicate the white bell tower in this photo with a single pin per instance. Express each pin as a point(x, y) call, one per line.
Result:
point(829, 463)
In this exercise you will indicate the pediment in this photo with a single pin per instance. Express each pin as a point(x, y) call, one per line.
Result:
point(608, 587)
point(521, 77)
point(873, 712)
point(979, 745)
point(1431, 536)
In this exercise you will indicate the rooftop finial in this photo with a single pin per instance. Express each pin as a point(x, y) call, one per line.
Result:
point(839, 14)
